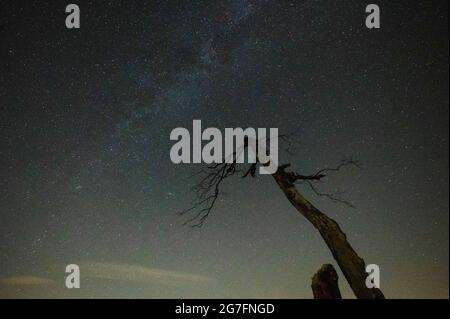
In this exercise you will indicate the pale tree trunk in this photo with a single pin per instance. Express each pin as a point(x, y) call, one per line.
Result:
point(352, 266)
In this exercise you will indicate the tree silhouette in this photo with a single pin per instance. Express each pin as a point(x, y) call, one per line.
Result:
point(207, 191)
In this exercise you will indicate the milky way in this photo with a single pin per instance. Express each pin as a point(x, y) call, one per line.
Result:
point(86, 118)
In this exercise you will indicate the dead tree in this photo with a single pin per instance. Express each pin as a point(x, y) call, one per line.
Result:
point(324, 283)
point(352, 266)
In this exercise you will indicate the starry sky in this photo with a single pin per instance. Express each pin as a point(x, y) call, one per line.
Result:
point(84, 156)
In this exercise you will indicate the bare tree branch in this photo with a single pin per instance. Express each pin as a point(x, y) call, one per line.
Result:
point(329, 196)
point(352, 266)
point(208, 189)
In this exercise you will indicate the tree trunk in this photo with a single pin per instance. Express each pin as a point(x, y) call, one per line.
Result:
point(325, 283)
point(352, 266)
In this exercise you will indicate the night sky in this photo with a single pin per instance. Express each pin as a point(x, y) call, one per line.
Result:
point(86, 115)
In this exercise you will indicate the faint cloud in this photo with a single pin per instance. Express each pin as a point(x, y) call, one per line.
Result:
point(25, 281)
point(137, 273)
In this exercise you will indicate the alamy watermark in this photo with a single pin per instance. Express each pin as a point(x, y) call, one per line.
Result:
point(73, 18)
point(73, 277)
point(373, 277)
point(229, 147)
